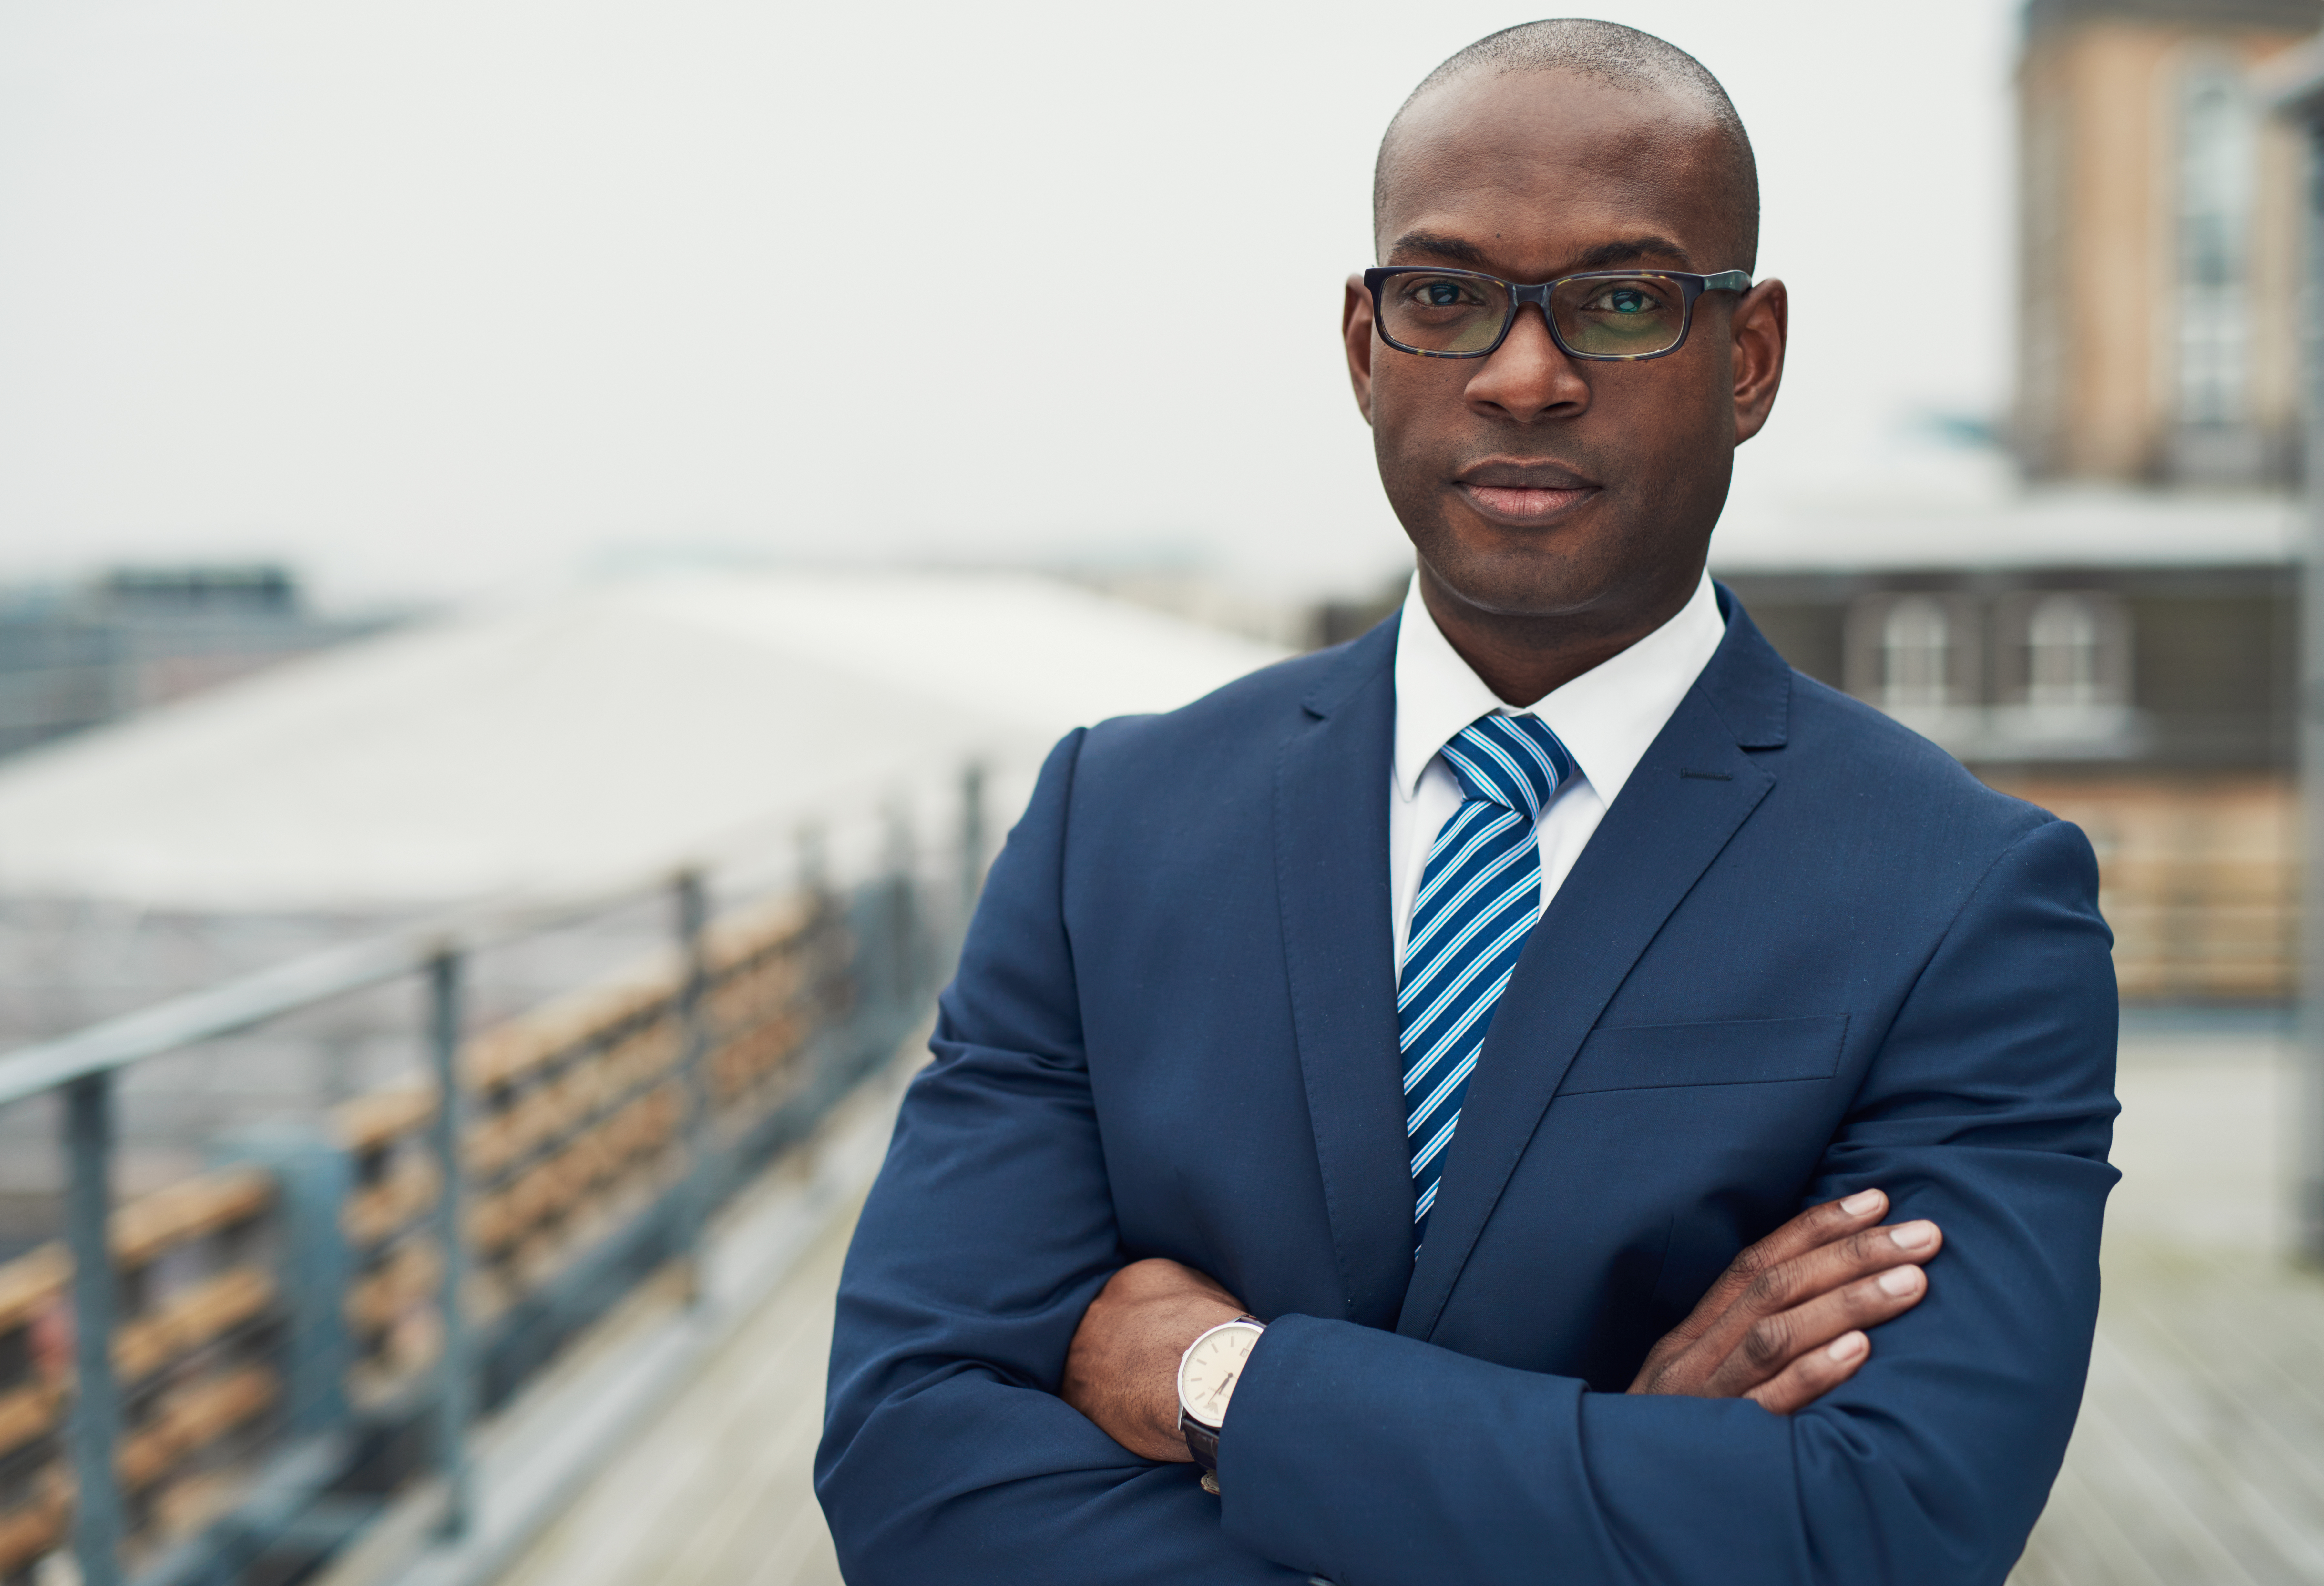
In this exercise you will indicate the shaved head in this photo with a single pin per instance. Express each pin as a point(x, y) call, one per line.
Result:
point(1560, 501)
point(1679, 90)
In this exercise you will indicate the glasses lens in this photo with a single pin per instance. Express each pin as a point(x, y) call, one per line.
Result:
point(1620, 315)
point(1443, 313)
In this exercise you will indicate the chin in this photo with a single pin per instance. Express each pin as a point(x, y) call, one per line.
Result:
point(1522, 587)
point(1512, 573)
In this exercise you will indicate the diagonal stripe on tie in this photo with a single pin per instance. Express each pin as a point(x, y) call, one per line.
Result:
point(1480, 895)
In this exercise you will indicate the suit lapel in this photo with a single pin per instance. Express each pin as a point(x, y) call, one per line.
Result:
point(1331, 880)
point(1692, 791)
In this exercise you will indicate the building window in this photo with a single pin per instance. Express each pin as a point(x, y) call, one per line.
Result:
point(2062, 654)
point(2062, 651)
point(1916, 644)
point(1917, 655)
point(2218, 154)
point(2062, 677)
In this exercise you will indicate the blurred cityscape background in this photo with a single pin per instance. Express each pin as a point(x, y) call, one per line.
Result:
point(531, 589)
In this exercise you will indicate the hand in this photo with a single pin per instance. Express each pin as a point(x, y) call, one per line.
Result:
point(1122, 1370)
point(1785, 1325)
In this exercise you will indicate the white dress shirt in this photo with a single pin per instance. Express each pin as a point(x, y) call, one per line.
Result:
point(1607, 718)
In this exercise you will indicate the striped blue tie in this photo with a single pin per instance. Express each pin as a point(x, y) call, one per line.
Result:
point(1480, 895)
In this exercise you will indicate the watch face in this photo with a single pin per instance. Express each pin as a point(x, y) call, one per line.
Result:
point(1208, 1375)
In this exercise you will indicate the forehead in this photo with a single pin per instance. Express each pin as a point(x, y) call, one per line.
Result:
point(1534, 167)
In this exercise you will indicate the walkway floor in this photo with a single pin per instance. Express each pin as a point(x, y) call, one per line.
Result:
point(2198, 1460)
point(716, 1492)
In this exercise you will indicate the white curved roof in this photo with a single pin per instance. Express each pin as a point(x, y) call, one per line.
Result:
point(588, 739)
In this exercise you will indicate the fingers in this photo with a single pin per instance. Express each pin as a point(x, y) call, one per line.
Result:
point(1771, 1345)
point(1765, 1315)
point(1810, 1230)
point(1816, 1226)
point(1812, 1375)
point(1820, 1271)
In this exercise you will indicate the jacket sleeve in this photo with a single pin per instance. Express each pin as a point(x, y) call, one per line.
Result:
point(947, 1454)
point(1380, 1461)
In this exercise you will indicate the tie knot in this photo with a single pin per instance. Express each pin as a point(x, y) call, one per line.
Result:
point(1516, 761)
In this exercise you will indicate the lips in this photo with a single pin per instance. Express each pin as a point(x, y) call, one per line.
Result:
point(1523, 492)
point(1521, 500)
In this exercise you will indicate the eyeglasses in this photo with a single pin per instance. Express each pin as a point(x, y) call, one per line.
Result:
point(1610, 316)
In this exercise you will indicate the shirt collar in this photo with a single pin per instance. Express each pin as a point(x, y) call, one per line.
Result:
point(1607, 718)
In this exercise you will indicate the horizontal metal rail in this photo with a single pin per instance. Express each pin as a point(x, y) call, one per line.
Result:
point(318, 977)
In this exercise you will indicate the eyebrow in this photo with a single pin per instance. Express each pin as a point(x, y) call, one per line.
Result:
point(1618, 252)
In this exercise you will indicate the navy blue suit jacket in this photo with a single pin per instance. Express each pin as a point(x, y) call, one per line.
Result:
point(1806, 953)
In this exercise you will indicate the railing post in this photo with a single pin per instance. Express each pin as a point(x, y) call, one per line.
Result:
point(313, 1176)
point(456, 1388)
point(96, 1397)
point(693, 901)
point(972, 841)
point(902, 982)
point(2309, 1166)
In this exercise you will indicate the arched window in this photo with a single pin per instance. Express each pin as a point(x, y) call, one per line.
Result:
point(1915, 654)
point(2062, 654)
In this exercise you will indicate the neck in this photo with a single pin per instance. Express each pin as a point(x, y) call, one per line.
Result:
point(1523, 656)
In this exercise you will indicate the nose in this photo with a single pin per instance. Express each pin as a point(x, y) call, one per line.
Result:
point(1529, 378)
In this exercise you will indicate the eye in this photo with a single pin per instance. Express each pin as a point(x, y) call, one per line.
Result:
point(1438, 291)
point(1626, 299)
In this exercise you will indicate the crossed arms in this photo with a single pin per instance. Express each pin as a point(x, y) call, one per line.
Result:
point(1363, 1456)
point(1783, 1326)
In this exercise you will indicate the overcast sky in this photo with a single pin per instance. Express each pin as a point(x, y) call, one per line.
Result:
point(448, 296)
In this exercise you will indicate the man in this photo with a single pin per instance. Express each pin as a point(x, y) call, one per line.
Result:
point(1358, 1080)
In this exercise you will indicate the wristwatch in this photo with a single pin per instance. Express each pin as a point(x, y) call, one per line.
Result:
point(1207, 1374)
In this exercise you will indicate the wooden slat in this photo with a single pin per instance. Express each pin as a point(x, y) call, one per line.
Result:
point(776, 923)
point(142, 1230)
point(406, 1279)
point(37, 1526)
point(193, 1417)
point(209, 1309)
point(375, 1121)
point(554, 1186)
point(508, 1052)
point(32, 1282)
point(28, 1412)
point(145, 1227)
point(410, 1349)
point(394, 1202)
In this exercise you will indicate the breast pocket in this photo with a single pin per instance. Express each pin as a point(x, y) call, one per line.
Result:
point(1722, 1052)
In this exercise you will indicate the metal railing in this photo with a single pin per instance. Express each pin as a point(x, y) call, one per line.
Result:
point(227, 1377)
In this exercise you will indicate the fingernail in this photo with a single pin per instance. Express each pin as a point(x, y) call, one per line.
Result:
point(1900, 1281)
point(1846, 1347)
point(1861, 1201)
point(1913, 1235)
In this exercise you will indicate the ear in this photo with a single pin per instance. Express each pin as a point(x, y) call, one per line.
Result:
point(1356, 331)
point(1761, 326)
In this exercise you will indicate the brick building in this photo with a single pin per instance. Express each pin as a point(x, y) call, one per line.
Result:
point(2112, 632)
point(2158, 231)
